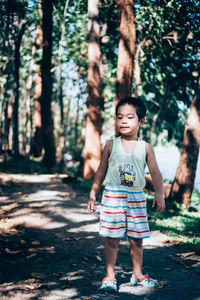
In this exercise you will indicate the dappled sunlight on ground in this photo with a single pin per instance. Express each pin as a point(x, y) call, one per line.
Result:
point(50, 248)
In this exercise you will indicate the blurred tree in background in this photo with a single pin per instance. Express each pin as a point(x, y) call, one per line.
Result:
point(52, 91)
point(92, 148)
point(127, 43)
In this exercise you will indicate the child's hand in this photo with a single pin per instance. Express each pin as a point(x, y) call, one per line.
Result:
point(91, 206)
point(160, 203)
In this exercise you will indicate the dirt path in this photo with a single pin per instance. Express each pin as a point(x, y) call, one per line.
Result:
point(50, 248)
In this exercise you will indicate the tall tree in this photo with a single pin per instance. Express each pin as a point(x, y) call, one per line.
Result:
point(92, 148)
point(183, 185)
point(16, 87)
point(45, 99)
point(37, 141)
point(63, 121)
point(126, 48)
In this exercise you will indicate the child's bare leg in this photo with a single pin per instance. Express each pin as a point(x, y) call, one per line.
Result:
point(136, 254)
point(110, 255)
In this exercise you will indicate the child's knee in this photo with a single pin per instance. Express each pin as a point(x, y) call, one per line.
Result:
point(135, 242)
point(112, 243)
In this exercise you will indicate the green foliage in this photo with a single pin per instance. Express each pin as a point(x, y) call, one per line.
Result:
point(22, 165)
point(169, 34)
point(109, 39)
point(75, 39)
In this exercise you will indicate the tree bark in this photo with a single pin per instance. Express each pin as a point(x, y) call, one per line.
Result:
point(7, 126)
point(61, 149)
point(37, 144)
point(92, 148)
point(76, 130)
point(16, 89)
point(183, 185)
point(126, 49)
point(45, 100)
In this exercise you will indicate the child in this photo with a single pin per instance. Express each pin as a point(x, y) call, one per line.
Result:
point(123, 208)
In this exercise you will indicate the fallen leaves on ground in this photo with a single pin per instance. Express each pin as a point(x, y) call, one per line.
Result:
point(85, 259)
point(77, 273)
point(177, 260)
point(99, 258)
point(39, 275)
point(31, 255)
point(185, 254)
point(33, 286)
point(66, 283)
point(94, 273)
point(35, 243)
point(4, 222)
point(66, 239)
point(161, 283)
point(181, 259)
point(171, 242)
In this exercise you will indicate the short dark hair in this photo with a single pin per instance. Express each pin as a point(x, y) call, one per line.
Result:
point(135, 102)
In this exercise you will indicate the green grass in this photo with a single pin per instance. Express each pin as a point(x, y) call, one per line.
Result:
point(177, 222)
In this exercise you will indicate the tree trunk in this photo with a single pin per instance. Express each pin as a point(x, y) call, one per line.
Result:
point(37, 144)
point(76, 130)
point(16, 89)
point(126, 49)
point(28, 139)
point(62, 130)
point(45, 100)
point(64, 143)
point(183, 185)
point(38, 139)
point(7, 127)
point(92, 148)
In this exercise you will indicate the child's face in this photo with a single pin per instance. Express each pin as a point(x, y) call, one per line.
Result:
point(127, 122)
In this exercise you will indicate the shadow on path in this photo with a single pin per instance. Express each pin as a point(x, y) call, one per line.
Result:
point(50, 249)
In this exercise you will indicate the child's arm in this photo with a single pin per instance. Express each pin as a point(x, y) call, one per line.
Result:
point(156, 179)
point(99, 176)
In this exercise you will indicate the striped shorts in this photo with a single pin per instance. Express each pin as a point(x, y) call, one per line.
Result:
point(123, 212)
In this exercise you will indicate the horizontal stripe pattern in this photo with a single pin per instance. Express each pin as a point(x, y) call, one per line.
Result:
point(123, 211)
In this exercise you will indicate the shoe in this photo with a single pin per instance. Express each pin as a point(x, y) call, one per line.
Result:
point(146, 281)
point(133, 281)
point(109, 284)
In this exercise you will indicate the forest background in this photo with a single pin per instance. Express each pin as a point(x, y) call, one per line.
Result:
point(64, 66)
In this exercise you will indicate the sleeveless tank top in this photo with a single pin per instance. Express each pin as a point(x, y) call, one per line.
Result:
point(127, 169)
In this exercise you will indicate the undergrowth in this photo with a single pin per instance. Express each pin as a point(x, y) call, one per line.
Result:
point(23, 165)
point(177, 222)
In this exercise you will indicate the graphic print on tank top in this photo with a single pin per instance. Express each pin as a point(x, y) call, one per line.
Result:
point(127, 175)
